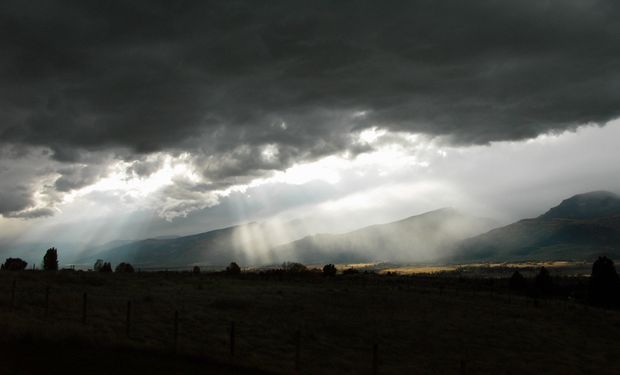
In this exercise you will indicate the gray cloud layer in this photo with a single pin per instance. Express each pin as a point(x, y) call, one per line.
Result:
point(222, 79)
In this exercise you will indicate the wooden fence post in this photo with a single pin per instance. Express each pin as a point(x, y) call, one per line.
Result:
point(13, 286)
point(375, 359)
point(128, 319)
point(47, 299)
point(176, 330)
point(297, 351)
point(232, 339)
point(84, 303)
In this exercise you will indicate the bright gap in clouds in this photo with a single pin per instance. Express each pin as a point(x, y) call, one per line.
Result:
point(403, 175)
point(122, 180)
point(134, 191)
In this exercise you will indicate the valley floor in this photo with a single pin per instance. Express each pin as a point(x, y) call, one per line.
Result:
point(420, 324)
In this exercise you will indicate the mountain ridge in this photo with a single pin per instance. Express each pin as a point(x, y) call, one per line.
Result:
point(225, 245)
point(415, 238)
point(581, 227)
point(578, 228)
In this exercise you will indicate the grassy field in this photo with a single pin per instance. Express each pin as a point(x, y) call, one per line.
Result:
point(420, 324)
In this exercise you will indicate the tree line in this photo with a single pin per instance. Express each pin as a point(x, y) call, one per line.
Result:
point(50, 263)
point(603, 284)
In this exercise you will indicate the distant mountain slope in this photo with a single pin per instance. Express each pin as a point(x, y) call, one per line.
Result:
point(417, 238)
point(596, 204)
point(580, 228)
point(214, 247)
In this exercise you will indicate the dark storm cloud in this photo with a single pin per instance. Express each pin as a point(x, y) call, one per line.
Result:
point(19, 171)
point(225, 79)
point(15, 198)
point(31, 214)
point(75, 177)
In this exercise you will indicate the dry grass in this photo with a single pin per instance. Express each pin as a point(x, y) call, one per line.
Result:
point(418, 329)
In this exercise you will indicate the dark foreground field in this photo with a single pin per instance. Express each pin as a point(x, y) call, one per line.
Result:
point(421, 325)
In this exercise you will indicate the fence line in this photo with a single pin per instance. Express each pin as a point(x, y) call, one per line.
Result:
point(374, 364)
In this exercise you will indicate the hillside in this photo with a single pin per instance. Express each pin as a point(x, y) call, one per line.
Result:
point(214, 247)
point(580, 228)
point(418, 238)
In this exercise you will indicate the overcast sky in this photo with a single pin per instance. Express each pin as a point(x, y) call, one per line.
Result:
point(130, 119)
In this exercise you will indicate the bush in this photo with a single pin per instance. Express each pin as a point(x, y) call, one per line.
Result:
point(517, 281)
point(50, 260)
point(106, 268)
point(14, 264)
point(233, 269)
point(98, 264)
point(196, 269)
point(350, 271)
point(293, 267)
point(124, 268)
point(604, 288)
point(329, 270)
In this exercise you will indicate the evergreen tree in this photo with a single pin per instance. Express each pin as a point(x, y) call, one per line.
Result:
point(50, 260)
point(604, 288)
point(97, 266)
point(543, 281)
point(233, 269)
point(106, 268)
point(329, 270)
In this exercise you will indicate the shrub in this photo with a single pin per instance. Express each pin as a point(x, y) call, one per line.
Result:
point(517, 281)
point(350, 271)
point(98, 264)
point(106, 268)
point(50, 260)
point(14, 264)
point(604, 287)
point(293, 267)
point(196, 269)
point(329, 270)
point(233, 269)
point(124, 268)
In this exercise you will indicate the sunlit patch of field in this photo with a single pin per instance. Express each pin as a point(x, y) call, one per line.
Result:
point(547, 264)
point(412, 270)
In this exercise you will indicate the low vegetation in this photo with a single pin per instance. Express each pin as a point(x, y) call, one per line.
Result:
point(425, 323)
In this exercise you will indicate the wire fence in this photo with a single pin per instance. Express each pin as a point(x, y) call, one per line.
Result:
point(162, 315)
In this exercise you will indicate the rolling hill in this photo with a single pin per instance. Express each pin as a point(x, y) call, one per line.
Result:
point(414, 239)
point(417, 238)
point(579, 228)
point(217, 247)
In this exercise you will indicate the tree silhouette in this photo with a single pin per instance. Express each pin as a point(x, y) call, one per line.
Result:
point(14, 264)
point(543, 281)
point(293, 267)
point(196, 269)
point(604, 288)
point(50, 260)
point(233, 269)
point(124, 268)
point(517, 281)
point(106, 268)
point(329, 270)
point(350, 271)
point(97, 266)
